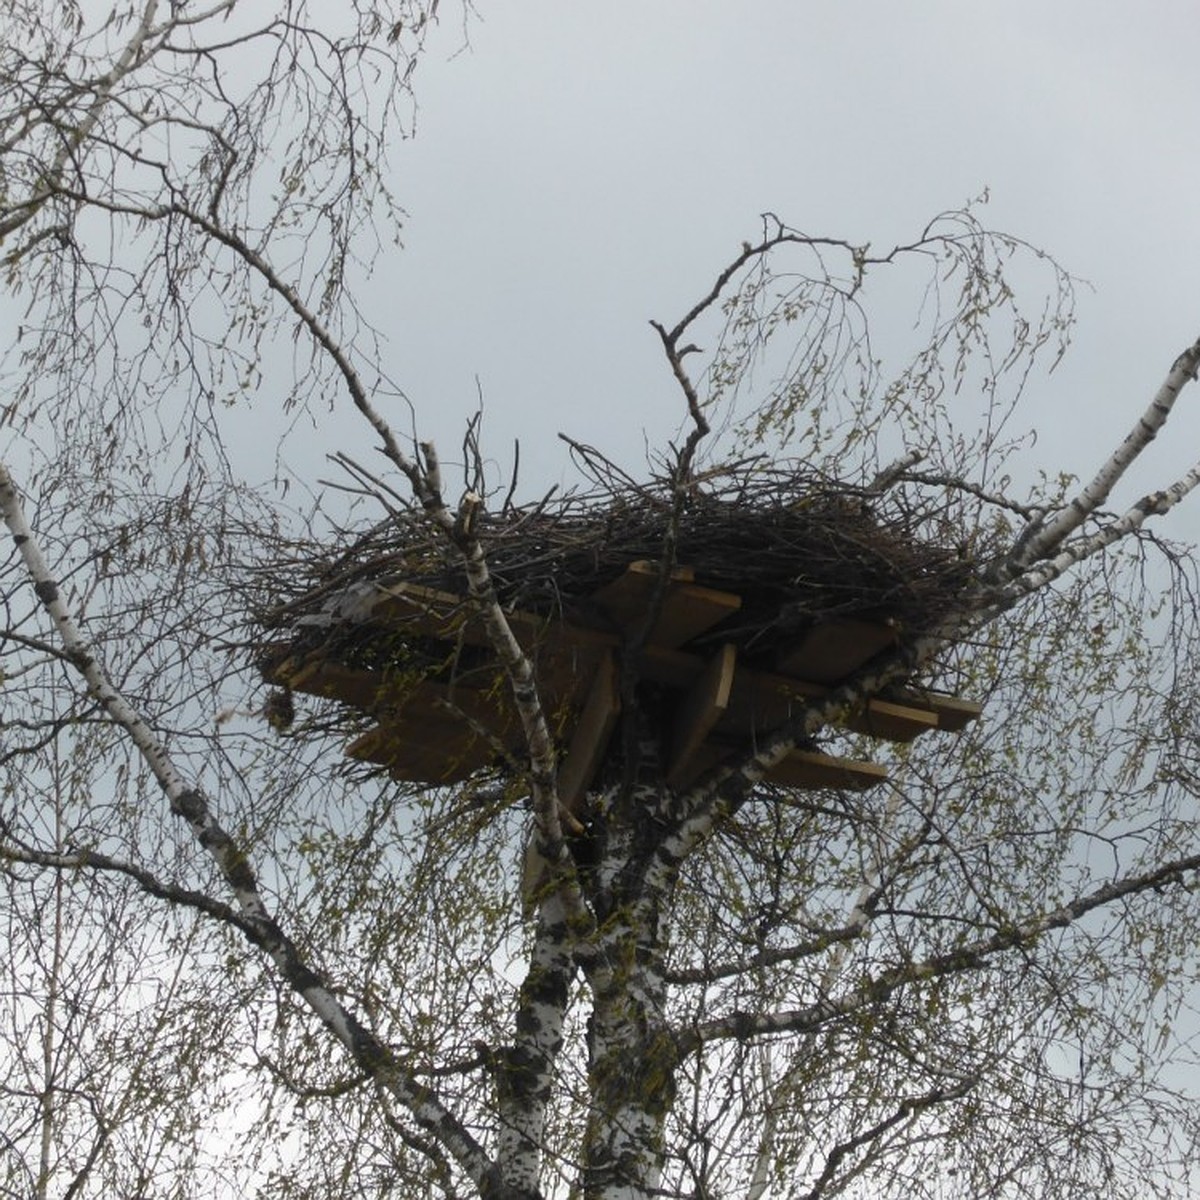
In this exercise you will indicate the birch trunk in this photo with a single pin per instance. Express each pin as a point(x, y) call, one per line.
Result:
point(631, 1055)
point(631, 1063)
point(525, 1074)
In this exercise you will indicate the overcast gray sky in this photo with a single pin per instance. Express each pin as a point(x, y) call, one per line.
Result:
point(582, 167)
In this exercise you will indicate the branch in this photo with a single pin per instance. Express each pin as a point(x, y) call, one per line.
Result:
point(131, 57)
point(259, 926)
point(91, 860)
point(969, 957)
point(1030, 513)
point(1046, 540)
point(462, 531)
point(728, 786)
point(460, 528)
point(681, 479)
point(908, 1109)
point(893, 472)
point(863, 910)
point(998, 599)
point(782, 236)
point(770, 957)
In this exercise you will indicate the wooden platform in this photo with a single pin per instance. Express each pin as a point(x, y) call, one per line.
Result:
point(440, 724)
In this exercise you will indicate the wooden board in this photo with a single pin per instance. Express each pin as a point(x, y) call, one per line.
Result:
point(702, 708)
point(590, 738)
point(360, 688)
point(688, 610)
point(891, 721)
point(953, 714)
point(719, 706)
point(832, 650)
point(762, 701)
point(444, 616)
point(425, 611)
point(438, 757)
point(810, 769)
point(802, 769)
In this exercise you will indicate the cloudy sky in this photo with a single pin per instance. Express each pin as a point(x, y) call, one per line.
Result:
point(580, 168)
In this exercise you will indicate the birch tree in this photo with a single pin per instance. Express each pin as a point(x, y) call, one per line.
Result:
point(973, 980)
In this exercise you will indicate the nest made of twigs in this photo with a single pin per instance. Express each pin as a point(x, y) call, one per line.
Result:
point(799, 550)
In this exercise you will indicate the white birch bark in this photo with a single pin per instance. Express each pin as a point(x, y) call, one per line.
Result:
point(631, 1058)
point(631, 1070)
point(525, 1072)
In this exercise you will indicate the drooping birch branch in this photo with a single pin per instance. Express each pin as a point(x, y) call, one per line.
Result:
point(908, 1108)
point(460, 528)
point(834, 940)
point(256, 921)
point(132, 56)
point(71, 861)
point(861, 913)
point(730, 784)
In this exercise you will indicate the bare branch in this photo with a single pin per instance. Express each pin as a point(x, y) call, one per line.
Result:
point(1020, 934)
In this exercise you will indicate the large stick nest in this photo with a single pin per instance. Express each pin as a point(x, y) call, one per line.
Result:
point(798, 550)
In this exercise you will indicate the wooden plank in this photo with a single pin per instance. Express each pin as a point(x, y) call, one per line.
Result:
point(702, 708)
point(811, 770)
point(677, 669)
point(762, 701)
point(953, 714)
point(423, 757)
point(444, 616)
point(419, 740)
point(565, 667)
point(624, 599)
point(563, 656)
point(425, 611)
point(421, 611)
point(447, 617)
point(406, 696)
point(355, 686)
point(805, 770)
point(590, 739)
point(833, 650)
point(895, 722)
point(688, 610)
point(427, 732)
